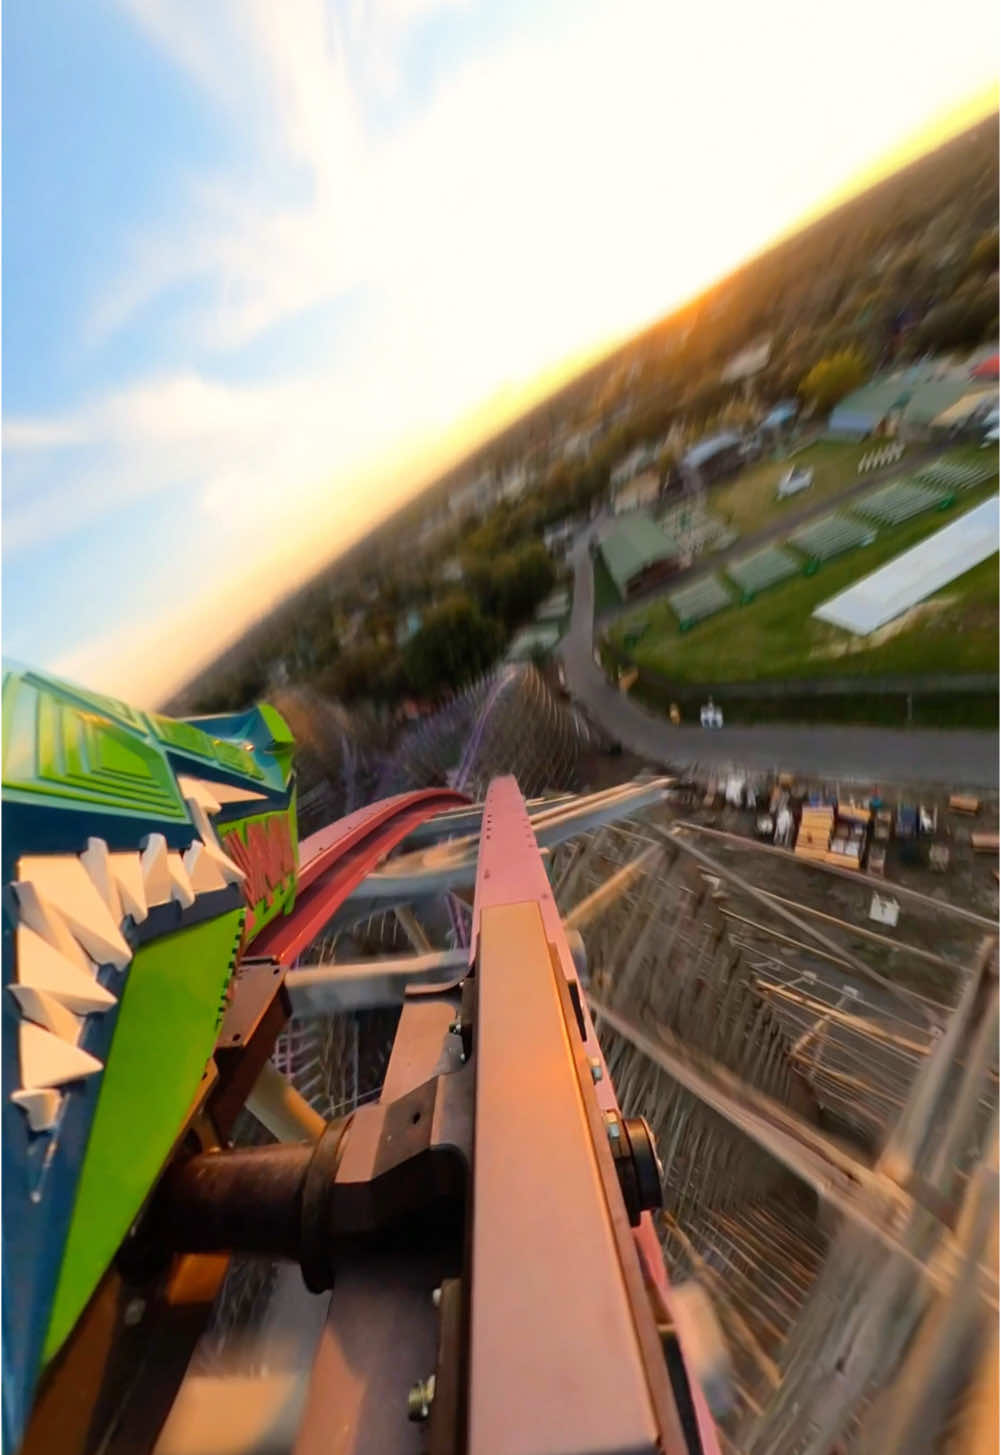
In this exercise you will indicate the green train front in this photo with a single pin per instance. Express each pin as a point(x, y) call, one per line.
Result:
point(140, 856)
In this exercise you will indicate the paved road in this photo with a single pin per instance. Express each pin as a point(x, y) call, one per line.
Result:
point(915, 755)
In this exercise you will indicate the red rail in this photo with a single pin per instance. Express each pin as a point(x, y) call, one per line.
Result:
point(509, 870)
point(334, 861)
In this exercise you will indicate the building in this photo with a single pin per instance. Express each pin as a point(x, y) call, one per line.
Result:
point(471, 498)
point(641, 458)
point(637, 554)
point(641, 490)
point(747, 363)
point(986, 370)
point(533, 642)
point(451, 570)
point(935, 397)
point(556, 538)
point(579, 445)
point(514, 483)
point(779, 420)
point(713, 458)
point(874, 409)
point(906, 401)
point(408, 626)
point(970, 415)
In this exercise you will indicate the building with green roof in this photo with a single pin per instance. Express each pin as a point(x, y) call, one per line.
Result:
point(637, 554)
point(908, 399)
point(933, 399)
point(865, 410)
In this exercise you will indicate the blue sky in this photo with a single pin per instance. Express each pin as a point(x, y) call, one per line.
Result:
point(261, 260)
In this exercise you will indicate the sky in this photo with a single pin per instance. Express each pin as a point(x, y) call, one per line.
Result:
point(268, 264)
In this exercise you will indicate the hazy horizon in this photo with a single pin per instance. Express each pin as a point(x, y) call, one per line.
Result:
point(236, 341)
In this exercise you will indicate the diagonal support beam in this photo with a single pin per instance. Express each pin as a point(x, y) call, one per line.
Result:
point(368, 984)
point(614, 886)
point(678, 840)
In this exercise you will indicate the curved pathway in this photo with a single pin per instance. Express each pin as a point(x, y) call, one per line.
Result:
point(914, 755)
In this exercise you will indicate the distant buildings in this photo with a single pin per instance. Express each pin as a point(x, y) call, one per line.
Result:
point(350, 627)
point(579, 445)
point(641, 458)
point(537, 640)
point(907, 402)
point(637, 554)
point(748, 362)
point(408, 626)
point(642, 490)
point(451, 571)
point(779, 420)
point(514, 482)
point(874, 409)
point(970, 416)
point(713, 458)
point(556, 538)
point(473, 497)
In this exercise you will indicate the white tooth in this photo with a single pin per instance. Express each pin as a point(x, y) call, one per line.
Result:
point(156, 874)
point(62, 882)
point(202, 822)
point(231, 872)
point(42, 1008)
point(46, 1060)
point(97, 862)
point(195, 791)
point(127, 869)
point(180, 884)
point(43, 918)
point(203, 871)
point(41, 966)
point(213, 795)
point(42, 1107)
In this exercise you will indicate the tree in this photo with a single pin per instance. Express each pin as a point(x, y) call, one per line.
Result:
point(963, 321)
point(983, 257)
point(518, 582)
point(368, 671)
point(832, 378)
point(455, 644)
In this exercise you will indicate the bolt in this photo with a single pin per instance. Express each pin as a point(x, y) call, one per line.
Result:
point(613, 1127)
point(134, 1310)
point(420, 1399)
point(436, 1298)
point(596, 1071)
point(456, 1027)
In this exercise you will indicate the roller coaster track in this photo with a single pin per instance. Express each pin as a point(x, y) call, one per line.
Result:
point(335, 860)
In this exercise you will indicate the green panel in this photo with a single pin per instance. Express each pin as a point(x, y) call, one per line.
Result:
point(20, 717)
point(182, 735)
point(281, 733)
point(167, 1024)
point(282, 741)
point(236, 759)
point(72, 752)
point(106, 706)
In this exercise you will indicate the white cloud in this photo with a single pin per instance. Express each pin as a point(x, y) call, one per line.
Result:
point(540, 199)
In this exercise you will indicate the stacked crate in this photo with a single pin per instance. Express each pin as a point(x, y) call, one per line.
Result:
point(848, 841)
point(816, 828)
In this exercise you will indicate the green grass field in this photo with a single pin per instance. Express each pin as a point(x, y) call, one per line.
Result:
point(775, 636)
point(748, 502)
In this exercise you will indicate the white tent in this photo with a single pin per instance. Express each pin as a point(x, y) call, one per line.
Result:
point(918, 573)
